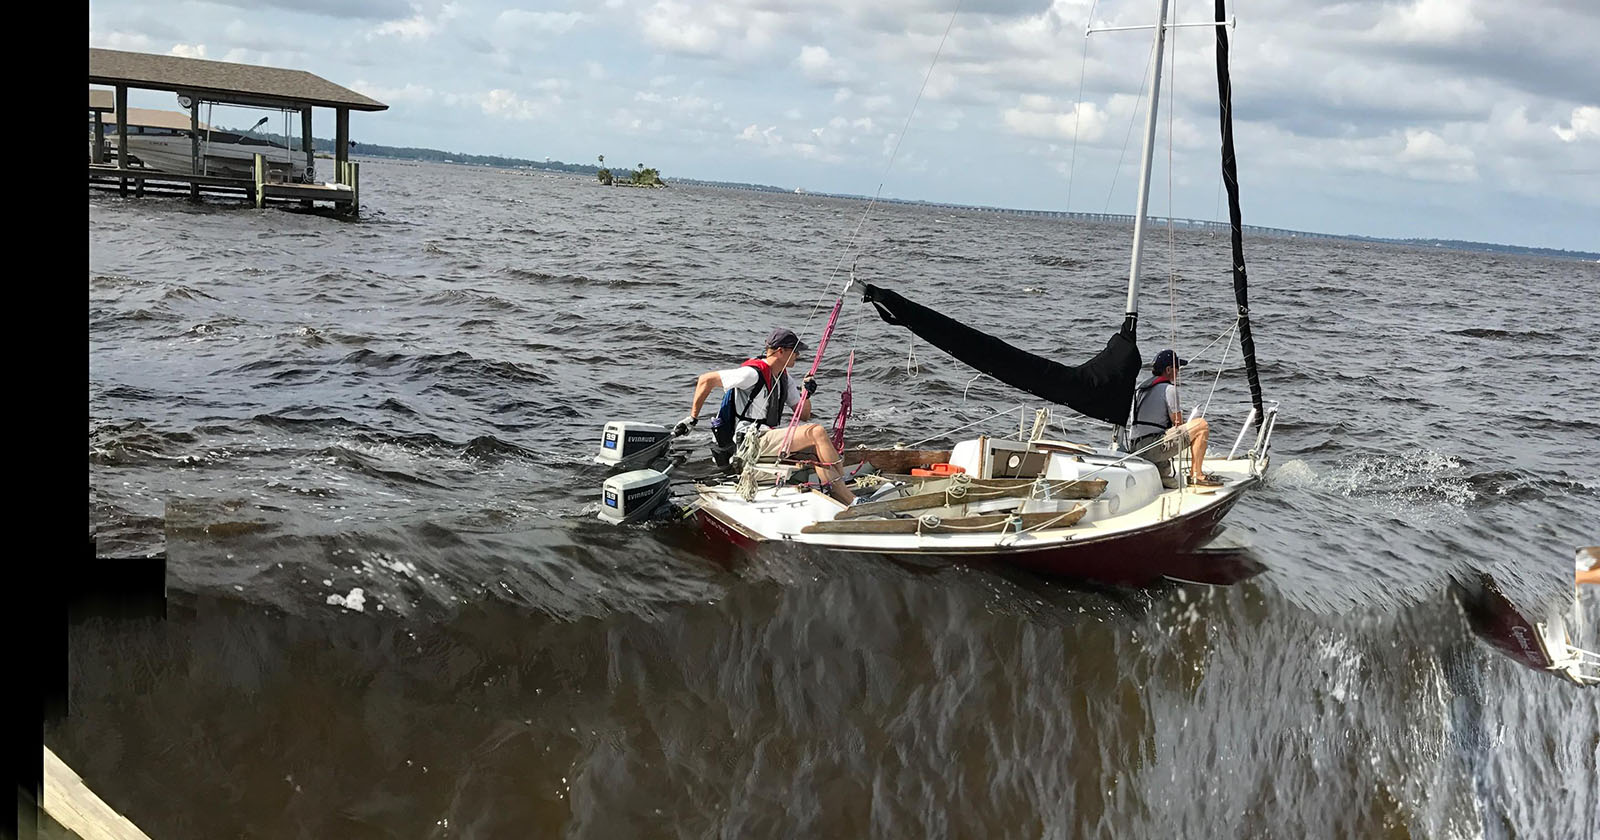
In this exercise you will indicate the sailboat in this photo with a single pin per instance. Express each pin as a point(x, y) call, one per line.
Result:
point(1551, 645)
point(1055, 507)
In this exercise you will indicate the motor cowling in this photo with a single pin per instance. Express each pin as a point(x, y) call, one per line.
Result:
point(634, 496)
point(626, 445)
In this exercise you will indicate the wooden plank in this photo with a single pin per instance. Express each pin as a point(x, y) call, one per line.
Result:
point(1021, 489)
point(72, 804)
point(156, 175)
point(896, 460)
point(310, 192)
point(963, 525)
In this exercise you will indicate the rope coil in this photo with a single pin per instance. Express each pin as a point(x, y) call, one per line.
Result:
point(958, 488)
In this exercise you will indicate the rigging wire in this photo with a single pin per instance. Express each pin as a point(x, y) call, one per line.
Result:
point(1132, 118)
point(1172, 244)
point(866, 212)
point(1018, 407)
point(893, 154)
point(1077, 105)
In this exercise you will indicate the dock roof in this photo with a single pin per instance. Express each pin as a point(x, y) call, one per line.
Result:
point(223, 81)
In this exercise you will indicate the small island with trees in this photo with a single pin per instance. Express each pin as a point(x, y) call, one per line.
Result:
point(640, 177)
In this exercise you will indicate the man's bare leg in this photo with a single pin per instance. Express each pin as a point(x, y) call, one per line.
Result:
point(1199, 433)
point(811, 436)
point(826, 454)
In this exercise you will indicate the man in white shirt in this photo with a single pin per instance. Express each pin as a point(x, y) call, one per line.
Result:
point(756, 396)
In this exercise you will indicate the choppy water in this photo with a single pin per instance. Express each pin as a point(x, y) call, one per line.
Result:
point(293, 407)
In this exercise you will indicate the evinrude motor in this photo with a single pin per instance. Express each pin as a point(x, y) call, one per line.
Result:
point(634, 496)
point(632, 446)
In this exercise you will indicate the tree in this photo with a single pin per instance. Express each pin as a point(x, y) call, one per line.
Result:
point(603, 173)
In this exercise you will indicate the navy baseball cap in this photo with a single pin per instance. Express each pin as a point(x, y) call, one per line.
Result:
point(786, 339)
point(1164, 360)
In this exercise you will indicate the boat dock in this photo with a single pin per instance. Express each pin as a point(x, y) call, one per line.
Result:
point(76, 808)
point(197, 82)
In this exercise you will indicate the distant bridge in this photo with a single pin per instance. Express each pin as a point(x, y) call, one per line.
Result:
point(1123, 218)
point(1119, 218)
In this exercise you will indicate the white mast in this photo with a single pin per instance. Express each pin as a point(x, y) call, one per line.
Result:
point(1132, 309)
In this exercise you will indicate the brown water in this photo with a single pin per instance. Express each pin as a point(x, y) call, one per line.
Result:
point(293, 407)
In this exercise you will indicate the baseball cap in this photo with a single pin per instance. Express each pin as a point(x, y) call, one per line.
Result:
point(1164, 359)
point(786, 339)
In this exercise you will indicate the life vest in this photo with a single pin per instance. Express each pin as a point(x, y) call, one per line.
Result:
point(1143, 428)
point(729, 416)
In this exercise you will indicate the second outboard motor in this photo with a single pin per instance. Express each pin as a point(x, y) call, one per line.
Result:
point(634, 496)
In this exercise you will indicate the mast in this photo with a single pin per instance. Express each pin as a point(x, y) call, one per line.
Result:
point(1230, 178)
point(1130, 323)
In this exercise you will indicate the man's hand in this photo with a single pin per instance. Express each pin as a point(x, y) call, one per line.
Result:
point(810, 384)
point(684, 426)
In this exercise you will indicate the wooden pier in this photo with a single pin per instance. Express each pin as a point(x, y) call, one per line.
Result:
point(197, 82)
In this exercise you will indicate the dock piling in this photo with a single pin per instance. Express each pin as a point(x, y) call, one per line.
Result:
point(122, 137)
point(261, 181)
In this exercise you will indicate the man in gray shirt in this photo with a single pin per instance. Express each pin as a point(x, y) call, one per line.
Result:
point(1158, 424)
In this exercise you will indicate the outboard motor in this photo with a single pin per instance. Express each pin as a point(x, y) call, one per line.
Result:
point(633, 496)
point(631, 446)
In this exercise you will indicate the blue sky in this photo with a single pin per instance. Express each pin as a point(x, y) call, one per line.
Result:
point(1464, 119)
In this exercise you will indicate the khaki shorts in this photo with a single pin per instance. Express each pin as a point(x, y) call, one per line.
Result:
point(1170, 444)
point(772, 441)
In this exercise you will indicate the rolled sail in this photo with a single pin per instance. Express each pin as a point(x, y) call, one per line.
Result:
point(1101, 388)
point(1230, 178)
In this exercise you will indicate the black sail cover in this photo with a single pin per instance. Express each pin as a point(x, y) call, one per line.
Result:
point(1230, 177)
point(1101, 388)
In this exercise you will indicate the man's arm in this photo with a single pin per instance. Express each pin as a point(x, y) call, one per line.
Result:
point(702, 389)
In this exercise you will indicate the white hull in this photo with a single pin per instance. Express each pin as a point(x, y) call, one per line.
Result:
point(1126, 534)
point(171, 153)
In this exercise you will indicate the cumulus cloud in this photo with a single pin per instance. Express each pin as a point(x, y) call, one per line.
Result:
point(188, 50)
point(1041, 117)
point(357, 9)
point(677, 28)
point(678, 105)
point(1584, 125)
point(1427, 155)
point(420, 26)
point(133, 41)
point(408, 94)
point(510, 105)
point(819, 65)
point(1430, 22)
point(758, 136)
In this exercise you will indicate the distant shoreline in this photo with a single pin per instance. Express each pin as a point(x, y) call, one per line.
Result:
point(407, 153)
